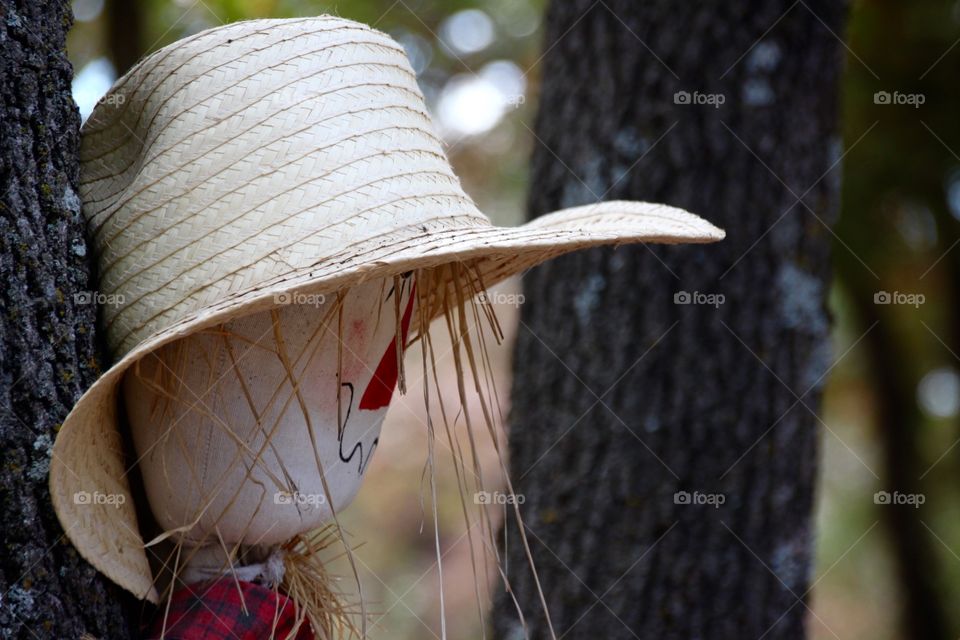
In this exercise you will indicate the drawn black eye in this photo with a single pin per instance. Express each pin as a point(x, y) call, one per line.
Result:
point(406, 275)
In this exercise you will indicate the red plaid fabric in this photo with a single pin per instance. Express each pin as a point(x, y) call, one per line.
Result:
point(214, 611)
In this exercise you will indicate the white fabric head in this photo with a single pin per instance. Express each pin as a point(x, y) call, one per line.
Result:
point(229, 441)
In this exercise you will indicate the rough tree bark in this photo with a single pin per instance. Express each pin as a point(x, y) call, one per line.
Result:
point(621, 396)
point(48, 352)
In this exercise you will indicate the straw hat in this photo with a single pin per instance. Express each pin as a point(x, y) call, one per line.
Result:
point(259, 160)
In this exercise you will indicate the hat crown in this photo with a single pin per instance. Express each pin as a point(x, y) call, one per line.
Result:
point(225, 161)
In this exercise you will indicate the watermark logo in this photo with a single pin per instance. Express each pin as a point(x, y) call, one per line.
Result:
point(115, 99)
point(710, 99)
point(293, 297)
point(910, 499)
point(95, 297)
point(500, 297)
point(697, 498)
point(696, 297)
point(515, 100)
point(87, 498)
point(497, 497)
point(899, 297)
point(300, 499)
point(897, 98)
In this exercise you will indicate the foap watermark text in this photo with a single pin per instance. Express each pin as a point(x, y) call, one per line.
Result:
point(699, 298)
point(896, 497)
point(102, 299)
point(293, 297)
point(300, 499)
point(699, 498)
point(501, 297)
point(498, 497)
point(899, 98)
point(99, 498)
point(899, 297)
point(699, 98)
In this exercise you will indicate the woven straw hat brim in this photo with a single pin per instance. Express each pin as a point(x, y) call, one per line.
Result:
point(219, 160)
point(88, 452)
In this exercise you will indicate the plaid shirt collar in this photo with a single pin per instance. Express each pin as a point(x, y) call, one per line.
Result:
point(215, 610)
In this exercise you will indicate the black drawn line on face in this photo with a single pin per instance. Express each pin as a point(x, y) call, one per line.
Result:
point(341, 432)
point(405, 276)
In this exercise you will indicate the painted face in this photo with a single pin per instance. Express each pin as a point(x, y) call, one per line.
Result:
point(236, 428)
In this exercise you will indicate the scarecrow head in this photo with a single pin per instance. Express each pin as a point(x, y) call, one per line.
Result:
point(261, 428)
point(273, 210)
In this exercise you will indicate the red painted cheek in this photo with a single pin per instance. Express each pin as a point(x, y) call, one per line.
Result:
point(357, 330)
point(380, 390)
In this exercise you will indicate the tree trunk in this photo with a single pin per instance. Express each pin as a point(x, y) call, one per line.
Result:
point(48, 352)
point(667, 451)
point(124, 33)
point(915, 559)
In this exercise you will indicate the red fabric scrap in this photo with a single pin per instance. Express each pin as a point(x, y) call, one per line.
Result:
point(384, 380)
point(214, 611)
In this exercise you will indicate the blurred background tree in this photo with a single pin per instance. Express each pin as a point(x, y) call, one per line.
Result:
point(890, 416)
point(666, 399)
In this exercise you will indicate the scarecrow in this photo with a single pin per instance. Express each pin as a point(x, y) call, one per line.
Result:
point(271, 206)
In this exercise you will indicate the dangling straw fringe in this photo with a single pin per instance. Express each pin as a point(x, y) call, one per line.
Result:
point(461, 287)
point(311, 588)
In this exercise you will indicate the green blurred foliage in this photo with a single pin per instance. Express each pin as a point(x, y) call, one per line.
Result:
point(897, 232)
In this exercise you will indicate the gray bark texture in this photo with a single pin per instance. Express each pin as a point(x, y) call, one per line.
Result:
point(48, 349)
point(626, 403)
